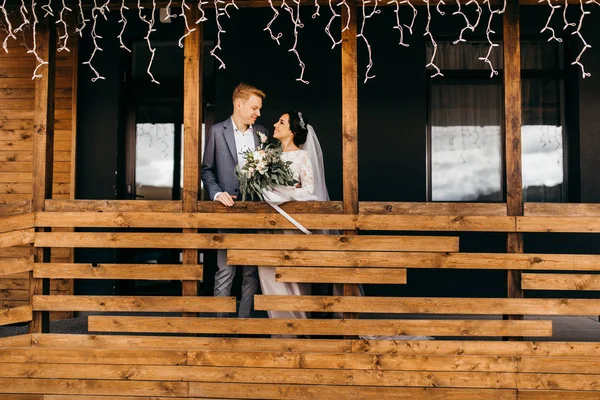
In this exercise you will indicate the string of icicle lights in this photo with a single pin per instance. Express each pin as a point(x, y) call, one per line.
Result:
point(27, 16)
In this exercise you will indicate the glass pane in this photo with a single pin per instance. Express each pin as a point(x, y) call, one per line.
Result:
point(542, 141)
point(154, 162)
point(466, 145)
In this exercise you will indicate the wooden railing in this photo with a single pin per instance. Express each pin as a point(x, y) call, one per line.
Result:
point(338, 259)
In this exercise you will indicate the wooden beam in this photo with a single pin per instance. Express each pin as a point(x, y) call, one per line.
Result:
point(560, 281)
point(43, 116)
point(119, 271)
point(300, 392)
point(164, 206)
point(350, 121)
point(568, 224)
point(17, 222)
point(258, 326)
point(17, 238)
point(43, 148)
point(292, 207)
point(589, 350)
point(15, 315)
point(10, 266)
point(435, 244)
point(512, 135)
point(428, 305)
point(192, 130)
point(76, 341)
point(135, 303)
point(356, 259)
point(429, 208)
point(341, 275)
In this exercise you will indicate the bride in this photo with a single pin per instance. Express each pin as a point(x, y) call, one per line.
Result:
point(300, 146)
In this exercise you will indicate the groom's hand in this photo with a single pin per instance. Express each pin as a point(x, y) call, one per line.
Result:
point(226, 199)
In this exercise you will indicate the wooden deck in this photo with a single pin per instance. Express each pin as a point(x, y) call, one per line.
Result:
point(170, 347)
point(86, 367)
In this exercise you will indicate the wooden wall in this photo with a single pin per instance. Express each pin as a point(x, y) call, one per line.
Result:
point(17, 94)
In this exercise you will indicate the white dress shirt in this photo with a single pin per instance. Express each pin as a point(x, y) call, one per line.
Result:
point(243, 140)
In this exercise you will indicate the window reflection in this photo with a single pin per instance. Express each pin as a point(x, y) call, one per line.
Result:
point(154, 162)
point(466, 142)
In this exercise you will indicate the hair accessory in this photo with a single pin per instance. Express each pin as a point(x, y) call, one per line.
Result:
point(301, 120)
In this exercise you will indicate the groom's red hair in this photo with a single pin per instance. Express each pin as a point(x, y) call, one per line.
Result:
point(243, 91)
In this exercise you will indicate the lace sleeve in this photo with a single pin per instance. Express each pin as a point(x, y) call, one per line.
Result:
point(307, 179)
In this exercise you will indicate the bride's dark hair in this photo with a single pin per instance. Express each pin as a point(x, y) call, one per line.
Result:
point(298, 126)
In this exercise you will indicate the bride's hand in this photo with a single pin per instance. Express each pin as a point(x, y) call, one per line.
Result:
point(298, 186)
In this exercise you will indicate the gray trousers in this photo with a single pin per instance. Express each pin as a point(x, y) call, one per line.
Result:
point(224, 281)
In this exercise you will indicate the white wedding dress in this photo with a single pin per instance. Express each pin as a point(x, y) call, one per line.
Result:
point(302, 169)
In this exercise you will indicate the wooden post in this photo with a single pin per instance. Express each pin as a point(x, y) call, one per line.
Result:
point(43, 148)
point(512, 127)
point(192, 124)
point(350, 124)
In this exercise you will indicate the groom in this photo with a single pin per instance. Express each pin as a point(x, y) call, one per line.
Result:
point(222, 154)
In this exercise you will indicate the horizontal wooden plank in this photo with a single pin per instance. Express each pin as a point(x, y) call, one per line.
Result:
point(16, 341)
point(28, 177)
point(437, 379)
point(559, 224)
point(93, 356)
point(320, 327)
point(532, 281)
point(22, 251)
point(75, 341)
point(275, 221)
point(14, 294)
point(354, 361)
point(293, 392)
point(23, 397)
point(26, 104)
point(341, 275)
point(17, 238)
point(569, 381)
point(427, 305)
point(366, 259)
point(556, 395)
point(27, 156)
point(119, 271)
point(10, 124)
point(99, 387)
point(562, 209)
point(162, 206)
point(10, 266)
point(134, 303)
point(29, 93)
point(176, 373)
point(474, 347)
point(16, 207)
point(560, 365)
point(272, 220)
point(436, 223)
point(17, 222)
point(432, 208)
point(15, 315)
point(242, 241)
point(294, 207)
point(16, 166)
point(11, 83)
point(8, 283)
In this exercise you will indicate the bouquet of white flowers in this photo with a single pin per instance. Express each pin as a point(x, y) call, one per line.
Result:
point(263, 169)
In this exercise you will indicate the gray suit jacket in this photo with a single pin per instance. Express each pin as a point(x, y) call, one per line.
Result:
point(220, 159)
